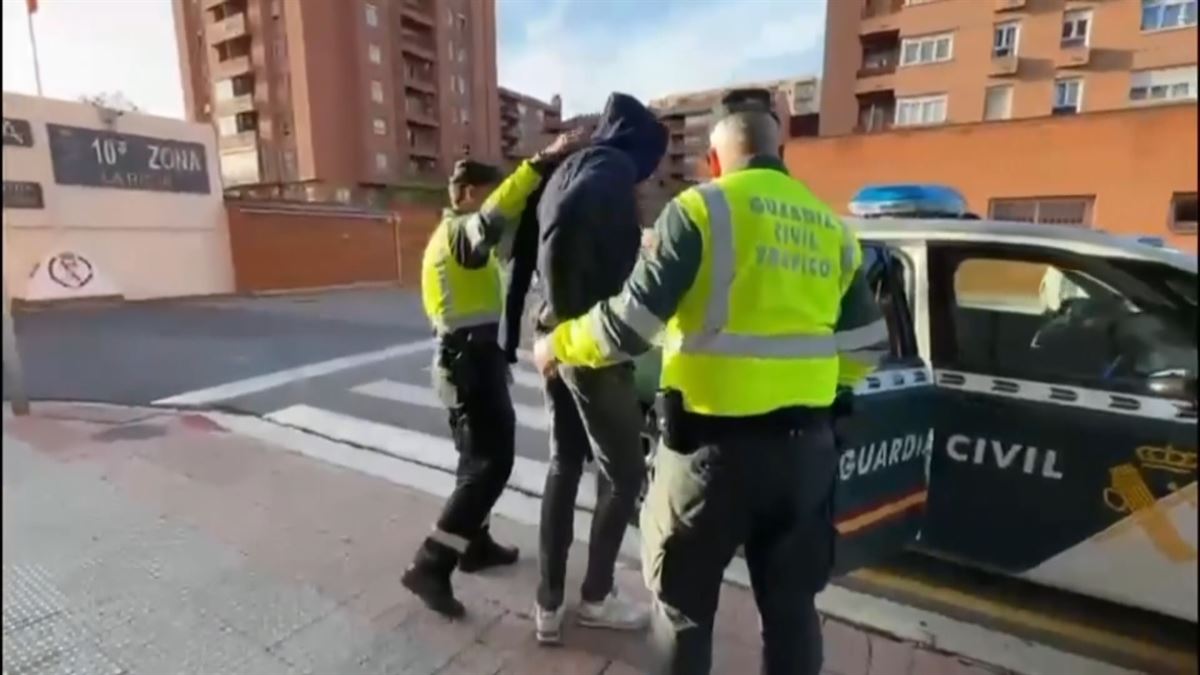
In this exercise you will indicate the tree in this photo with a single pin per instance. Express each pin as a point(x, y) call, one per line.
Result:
point(115, 100)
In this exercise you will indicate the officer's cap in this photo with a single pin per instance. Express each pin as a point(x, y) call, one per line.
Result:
point(745, 100)
point(471, 172)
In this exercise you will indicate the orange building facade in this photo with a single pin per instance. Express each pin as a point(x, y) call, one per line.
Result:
point(1123, 171)
point(929, 62)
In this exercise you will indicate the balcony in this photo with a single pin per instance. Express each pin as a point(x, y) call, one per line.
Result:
point(229, 28)
point(417, 39)
point(419, 12)
point(420, 114)
point(210, 4)
point(880, 63)
point(876, 112)
point(1073, 56)
point(235, 104)
point(873, 9)
point(1004, 66)
point(231, 68)
point(1009, 5)
point(426, 150)
point(239, 141)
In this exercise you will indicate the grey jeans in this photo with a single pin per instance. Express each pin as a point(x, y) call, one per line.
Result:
point(772, 493)
point(592, 412)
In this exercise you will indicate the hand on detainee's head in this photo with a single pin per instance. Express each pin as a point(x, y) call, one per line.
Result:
point(470, 183)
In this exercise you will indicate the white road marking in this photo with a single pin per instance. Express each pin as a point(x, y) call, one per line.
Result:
point(528, 475)
point(259, 383)
point(909, 623)
point(529, 416)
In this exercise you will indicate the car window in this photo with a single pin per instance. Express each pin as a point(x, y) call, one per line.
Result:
point(1050, 322)
point(885, 273)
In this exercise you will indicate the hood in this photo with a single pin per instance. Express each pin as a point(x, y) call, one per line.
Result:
point(630, 127)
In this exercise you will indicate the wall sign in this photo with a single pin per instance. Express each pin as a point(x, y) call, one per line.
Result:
point(18, 132)
point(108, 159)
point(70, 270)
point(23, 194)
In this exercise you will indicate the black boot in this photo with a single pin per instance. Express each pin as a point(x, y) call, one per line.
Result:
point(484, 553)
point(428, 577)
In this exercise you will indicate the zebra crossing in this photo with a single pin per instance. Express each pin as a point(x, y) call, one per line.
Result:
point(388, 406)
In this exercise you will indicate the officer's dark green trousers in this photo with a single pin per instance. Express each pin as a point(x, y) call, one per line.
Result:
point(771, 492)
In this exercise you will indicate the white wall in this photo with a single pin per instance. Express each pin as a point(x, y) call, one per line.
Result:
point(144, 244)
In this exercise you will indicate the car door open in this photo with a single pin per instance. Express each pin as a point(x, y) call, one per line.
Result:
point(886, 441)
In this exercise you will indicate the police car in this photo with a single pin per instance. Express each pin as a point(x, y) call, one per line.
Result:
point(1037, 416)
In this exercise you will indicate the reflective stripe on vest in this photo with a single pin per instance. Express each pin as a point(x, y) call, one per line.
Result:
point(712, 337)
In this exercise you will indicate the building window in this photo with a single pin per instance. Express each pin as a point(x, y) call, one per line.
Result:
point(1183, 213)
point(450, 49)
point(920, 110)
point(997, 103)
point(462, 55)
point(380, 127)
point(374, 53)
point(462, 21)
point(377, 91)
point(461, 84)
point(1163, 85)
point(464, 115)
point(1004, 39)
point(342, 195)
point(381, 161)
point(927, 49)
point(1076, 27)
point(372, 14)
point(1167, 14)
point(1068, 96)
point(1044, 210)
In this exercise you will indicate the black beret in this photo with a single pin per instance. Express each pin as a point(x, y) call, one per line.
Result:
point(745, 100)
point(471, 172)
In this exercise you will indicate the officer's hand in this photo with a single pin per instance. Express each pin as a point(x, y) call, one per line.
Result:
point(562, 145)
point(543, 357)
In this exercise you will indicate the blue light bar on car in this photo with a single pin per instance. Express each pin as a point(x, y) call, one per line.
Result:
point(915, 200)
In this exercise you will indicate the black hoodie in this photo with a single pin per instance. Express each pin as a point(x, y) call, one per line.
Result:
point(588, 215)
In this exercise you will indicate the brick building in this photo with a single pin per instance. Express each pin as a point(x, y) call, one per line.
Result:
point(928, 62)
point(526, 123)
point(341, 100)
point(687, 118)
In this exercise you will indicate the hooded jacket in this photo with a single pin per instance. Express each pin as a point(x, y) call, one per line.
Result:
point(589, 234)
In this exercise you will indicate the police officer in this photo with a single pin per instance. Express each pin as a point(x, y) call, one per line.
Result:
point(462, 294)
point(753, 284)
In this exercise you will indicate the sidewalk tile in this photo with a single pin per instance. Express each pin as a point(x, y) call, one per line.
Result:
point(889, 657)
point(262, 606)
point(845, 649)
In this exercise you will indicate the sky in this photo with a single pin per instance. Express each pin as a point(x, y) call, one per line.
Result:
point(579, 49)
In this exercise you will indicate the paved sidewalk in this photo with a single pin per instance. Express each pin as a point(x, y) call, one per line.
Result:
point(142, 541)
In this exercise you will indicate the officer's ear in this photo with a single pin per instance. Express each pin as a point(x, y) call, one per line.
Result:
point(714, 163)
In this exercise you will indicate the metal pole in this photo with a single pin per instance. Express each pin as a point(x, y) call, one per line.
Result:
point(12, 361)
point(37, 71)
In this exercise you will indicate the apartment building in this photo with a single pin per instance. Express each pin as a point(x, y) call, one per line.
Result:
point(906, 63)
point(341, 100)
point(687, 117)
point(526, 123)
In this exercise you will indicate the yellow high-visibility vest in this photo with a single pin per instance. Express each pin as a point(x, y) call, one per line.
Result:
point(454, 296)
point(755, 332)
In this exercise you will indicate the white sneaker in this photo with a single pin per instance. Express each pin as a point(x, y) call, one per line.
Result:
point(614, 612)
point(548, 623)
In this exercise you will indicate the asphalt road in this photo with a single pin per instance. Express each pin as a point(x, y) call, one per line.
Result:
point(139, 354)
